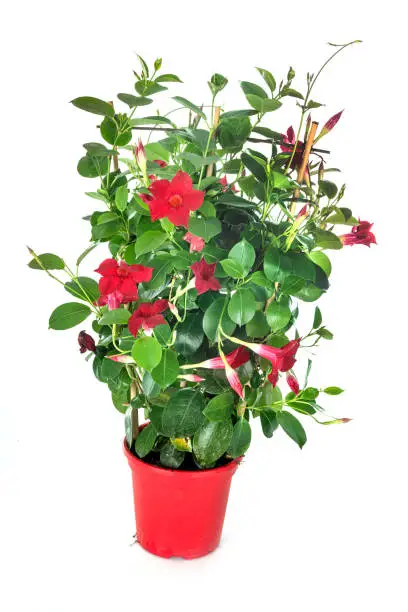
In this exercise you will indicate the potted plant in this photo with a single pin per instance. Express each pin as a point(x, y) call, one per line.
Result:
point(218, 231)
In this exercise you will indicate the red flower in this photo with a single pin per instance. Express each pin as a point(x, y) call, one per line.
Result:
point(290, 139)
point(235, 359)
point(118, 283)
point(282, 359)
point(86, 342)
point(196, 243)
point(292, 382)
point(174, 199)
point(223, 181)
point(204, 276)
point(234, 381)
point(360, 234)
point(160, 163)
point(147, 316)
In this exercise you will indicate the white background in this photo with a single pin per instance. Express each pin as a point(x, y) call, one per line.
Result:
point(319, 530)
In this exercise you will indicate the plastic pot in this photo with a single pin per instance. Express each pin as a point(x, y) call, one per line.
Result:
point(179, 513)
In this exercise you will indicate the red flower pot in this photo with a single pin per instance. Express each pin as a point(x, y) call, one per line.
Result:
point(179, 513)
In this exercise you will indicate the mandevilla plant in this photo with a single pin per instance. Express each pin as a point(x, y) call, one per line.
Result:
point(213, 245)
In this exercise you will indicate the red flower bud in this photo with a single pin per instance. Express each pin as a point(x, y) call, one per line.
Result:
point(86, 342)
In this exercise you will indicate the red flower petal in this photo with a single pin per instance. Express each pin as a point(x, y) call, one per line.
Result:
point(107, 267)
point(178, 216)
point(141, 274)
point(181, 183)
point(108, 284)
point(158, 209)
point(160, 188)
point(193, 200)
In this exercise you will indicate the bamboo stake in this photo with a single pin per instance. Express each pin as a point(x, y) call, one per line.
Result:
point(305, 161)
point(216, 121)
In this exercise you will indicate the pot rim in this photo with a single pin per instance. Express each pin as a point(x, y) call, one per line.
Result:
point(230, 466)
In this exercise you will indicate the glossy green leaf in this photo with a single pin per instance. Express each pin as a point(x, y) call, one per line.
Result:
point(48, 261)
point(193, 107)
point(220, 407)
point(170, 457)
point(278, 315)
point(263, 105)
point(147, 352)
point(166, 372)
point(121, 197)
point(217, 83)
point(254, 167)
point(233, 132)
point(145, 441)
point(269, 422)
point(212, 317)
point(183, 415)
point(118, 316)
point(149, 241)
point(258, 326)
point(317, 319)
point(242, 306)
point(94, 105)
point(333, 390)
point(321, 260)
point(168, 78)
point(253, 89)
point(241, 438)
point(232, 268)
point(68, 315)
point(205, 228)
point(292, 427)
point(327, 240)
point(190, 334)
point(83, 288)
point(133, 101)
point(268, 78)
point(211, 441)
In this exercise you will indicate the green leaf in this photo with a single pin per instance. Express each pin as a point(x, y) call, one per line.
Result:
point(263, 105)
point(149, 241)
point(183, 415)
point(147, 352)
point(241, 438)
point(317, 319)
point(168, 369)
point(253, 89)
point(259, 278)
point(254, 166)
point(212, 318)
point(211, 441)
point(129, 426)
point(91, 167)
point(328, 188)
point(280, 181)
point(48, 261)
point(121, 197)
point(278, 315)
point(292, 427)
point(83, 288)
point(94, 105)
point(217, 83)
point(118, 316)
point(220, 407)
point(333, 390)
point(268, 78)
point(277, 265)
point(168, 78)
point(258, 327)
point(242, 306)
point(96, 149)
point(85, 253)
point(321, 260)
point(243, 253)
point(184, 102)
point(327, 240)
point(145, 440)
point(110, 133)
point(68, 315)
point(269, 422)
point(232, 268)
point(324, 333)
point(288, 91)
point(151, 120)
point(190, 335)
point(205, 228)
point(233, 132)
point(133, 101)
point(170, 457)
point(162, 333)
